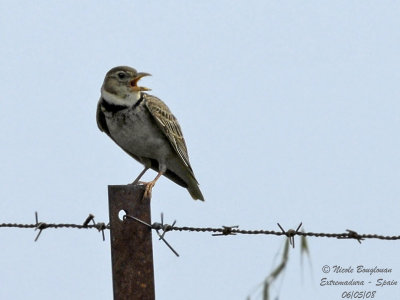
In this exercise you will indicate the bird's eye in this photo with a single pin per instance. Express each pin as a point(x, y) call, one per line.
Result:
point(121, 75)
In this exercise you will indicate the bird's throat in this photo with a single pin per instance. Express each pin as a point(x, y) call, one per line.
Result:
point(130, 100)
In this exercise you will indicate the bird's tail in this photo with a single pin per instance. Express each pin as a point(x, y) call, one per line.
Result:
point(194, 191)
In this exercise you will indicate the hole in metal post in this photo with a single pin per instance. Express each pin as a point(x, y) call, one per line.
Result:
point(121, 214)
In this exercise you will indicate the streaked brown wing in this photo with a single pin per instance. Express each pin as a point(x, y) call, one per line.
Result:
point(169, 126)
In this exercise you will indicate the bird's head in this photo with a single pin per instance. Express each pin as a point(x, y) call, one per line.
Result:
point(120, 85)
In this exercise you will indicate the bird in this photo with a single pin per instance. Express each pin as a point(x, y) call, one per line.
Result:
point(145, 128)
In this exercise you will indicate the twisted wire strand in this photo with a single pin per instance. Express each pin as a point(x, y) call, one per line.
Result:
point(43, 225)
point(224, 230)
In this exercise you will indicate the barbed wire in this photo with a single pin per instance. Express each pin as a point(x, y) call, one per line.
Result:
point(234, 230)
point(42, 225)
point(161, 229)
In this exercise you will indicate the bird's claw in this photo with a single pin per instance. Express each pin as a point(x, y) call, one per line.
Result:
point(147, 191)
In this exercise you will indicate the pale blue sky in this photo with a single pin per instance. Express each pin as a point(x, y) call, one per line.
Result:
point(290, 111)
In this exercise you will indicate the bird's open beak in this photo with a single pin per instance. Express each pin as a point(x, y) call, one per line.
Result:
point(134, 82)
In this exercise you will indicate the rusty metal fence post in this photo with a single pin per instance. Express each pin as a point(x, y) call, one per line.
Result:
point(131, 245)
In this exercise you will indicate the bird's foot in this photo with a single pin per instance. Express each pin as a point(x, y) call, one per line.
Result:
point(147, 191)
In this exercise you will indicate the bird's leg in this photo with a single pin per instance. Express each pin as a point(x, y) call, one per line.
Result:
point(149, 185)
point(140, 176)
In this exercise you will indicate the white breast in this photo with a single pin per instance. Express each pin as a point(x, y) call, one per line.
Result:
point(130, 100)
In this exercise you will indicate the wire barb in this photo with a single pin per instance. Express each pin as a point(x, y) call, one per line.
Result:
point(99, 226)
point(227, 230)
point(352, 235)
point(290, 233)
point(157, 227)
point(165, 228)
point(39, 225)
point(88, 219)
